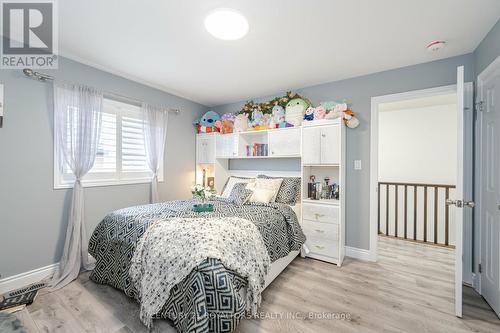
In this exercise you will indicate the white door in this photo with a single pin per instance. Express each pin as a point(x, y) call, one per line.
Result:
point(462, 193)
point(490, 189)
point(284, 142)
point(311, 143)
point(205, 149)
point(226, 145)
point(330, 144)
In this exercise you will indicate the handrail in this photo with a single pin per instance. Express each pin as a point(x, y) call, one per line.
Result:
point(416, 212)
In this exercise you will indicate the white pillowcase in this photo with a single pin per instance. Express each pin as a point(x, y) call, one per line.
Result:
point(262, 195)
point(231, 182)
point(264, 184)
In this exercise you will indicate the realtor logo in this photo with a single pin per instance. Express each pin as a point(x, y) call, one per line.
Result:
point(29, 36)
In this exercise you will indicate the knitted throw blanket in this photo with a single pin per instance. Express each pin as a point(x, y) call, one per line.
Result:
point(170, 249)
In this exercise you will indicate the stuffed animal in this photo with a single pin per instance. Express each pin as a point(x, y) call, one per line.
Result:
point(335, 110)
point(309, 114)
point(319, 112)
point(295, 110)
point(257, 118)
point(241, 122)
point(278, 114)
point(207, 122)
point(350, 119)
point(225, 126)
point(228, 116)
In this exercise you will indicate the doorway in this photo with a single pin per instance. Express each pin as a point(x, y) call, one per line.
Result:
point(411, 204)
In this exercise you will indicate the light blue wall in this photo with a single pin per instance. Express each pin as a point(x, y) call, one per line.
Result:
point(359, 91)
point(489, 49)
point(33, 214)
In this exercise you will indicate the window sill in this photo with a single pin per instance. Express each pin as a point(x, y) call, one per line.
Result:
point(105, 183)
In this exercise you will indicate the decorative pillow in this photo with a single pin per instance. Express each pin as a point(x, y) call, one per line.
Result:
point(266, 184)
point(231, 181)
point(289, 192)
point(262, 195)
point(240, 194)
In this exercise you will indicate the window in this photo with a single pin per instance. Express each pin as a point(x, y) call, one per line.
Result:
point(121, 156)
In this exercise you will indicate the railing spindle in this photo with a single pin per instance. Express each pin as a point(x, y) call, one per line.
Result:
point(446, 216)
point(378, 211)
point(387, 209)
point(415, 212)
point(406, 210)
point(425, 213)
point(396, 212)
point(435, 214)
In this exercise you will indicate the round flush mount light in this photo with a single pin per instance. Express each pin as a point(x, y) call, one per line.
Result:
point(226, 24)
point(436, 45)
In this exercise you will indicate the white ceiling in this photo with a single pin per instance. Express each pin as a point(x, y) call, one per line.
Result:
point(291, 43)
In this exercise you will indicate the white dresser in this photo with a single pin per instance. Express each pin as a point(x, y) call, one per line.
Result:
point(323, 220)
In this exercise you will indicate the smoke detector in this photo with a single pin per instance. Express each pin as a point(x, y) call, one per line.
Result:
point(435, 45)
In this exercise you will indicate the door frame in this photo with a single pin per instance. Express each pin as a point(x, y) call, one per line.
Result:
point(374, 125)
point(492, 70)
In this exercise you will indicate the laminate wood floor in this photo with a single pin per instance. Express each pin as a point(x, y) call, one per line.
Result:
point(410, 289)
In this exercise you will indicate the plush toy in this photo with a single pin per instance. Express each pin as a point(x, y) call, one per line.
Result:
point(226, 123)
point(309, 114)
point(278, 114)
point(319, 112)
point(207, 123)
point(224, 126)
point(257, 118)
point(335, 110)
point(350, 119)
point(295, 110)
point(241, 122)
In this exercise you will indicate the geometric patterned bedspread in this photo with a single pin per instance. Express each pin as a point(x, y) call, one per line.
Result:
point(209, 299)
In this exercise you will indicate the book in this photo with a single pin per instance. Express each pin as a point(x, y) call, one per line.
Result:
point(18, 299)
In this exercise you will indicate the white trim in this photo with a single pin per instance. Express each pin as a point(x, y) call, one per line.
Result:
point(375, 101)
point(24, 279)
point(493, 69)
point(360, 254)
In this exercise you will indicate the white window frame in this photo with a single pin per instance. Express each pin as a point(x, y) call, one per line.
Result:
point(121, 109)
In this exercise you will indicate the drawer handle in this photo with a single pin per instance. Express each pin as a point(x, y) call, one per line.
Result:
point(319, 247)
point(318, 215)
point(320, 231)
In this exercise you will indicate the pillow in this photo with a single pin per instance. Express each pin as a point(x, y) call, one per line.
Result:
point(266, 184)
point(262, 195)
point(289, 192)
point(240, 194)
point(231, 181)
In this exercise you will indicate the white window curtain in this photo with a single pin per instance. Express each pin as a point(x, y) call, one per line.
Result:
point(155, 135)
point(78, 117)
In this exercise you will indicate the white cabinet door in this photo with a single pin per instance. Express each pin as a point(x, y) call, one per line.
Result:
point(330, 144)
point(311, 150)
point(205, 149)
point(284, 142)
point(226, 145)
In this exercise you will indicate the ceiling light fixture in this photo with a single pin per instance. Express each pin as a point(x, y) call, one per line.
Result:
point(226, 24)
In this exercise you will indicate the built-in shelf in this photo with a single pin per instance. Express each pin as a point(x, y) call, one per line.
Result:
point(256, 157)
point(321, 165)
point(322, 201)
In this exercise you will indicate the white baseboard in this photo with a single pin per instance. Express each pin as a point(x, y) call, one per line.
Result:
point(24, 279)
point(360, 254)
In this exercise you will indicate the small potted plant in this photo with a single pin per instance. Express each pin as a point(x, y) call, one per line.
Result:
point(202, 194)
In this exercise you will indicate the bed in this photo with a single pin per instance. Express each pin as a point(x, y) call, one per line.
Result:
point(210, 298)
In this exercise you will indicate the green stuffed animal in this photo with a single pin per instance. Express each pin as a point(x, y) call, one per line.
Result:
point(295, 110)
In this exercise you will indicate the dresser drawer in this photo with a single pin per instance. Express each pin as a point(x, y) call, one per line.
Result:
point(320, 213)
point(323, 247)
point(321, 230)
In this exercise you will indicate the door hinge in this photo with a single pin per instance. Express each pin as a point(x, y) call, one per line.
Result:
point(480, 268)
point(480, 106)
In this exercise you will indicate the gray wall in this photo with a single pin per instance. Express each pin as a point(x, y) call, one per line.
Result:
point(33, 214)
point(489, 49)
point(359, 91)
